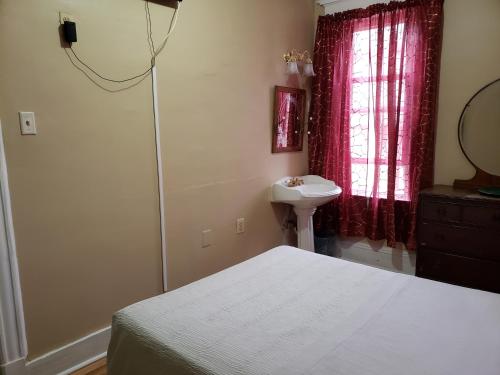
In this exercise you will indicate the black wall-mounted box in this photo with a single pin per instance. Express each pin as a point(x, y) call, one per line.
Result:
point(69, 29)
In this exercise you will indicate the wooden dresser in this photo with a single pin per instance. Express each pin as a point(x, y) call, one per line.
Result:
point(459, 238)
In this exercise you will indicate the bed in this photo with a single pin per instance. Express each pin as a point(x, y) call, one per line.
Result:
point(289, 311)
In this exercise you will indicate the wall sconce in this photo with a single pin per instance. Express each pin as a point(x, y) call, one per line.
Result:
point(294, 58)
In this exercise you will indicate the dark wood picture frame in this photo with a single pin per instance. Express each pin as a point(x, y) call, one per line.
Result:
point(297, 126)
point(481, 178)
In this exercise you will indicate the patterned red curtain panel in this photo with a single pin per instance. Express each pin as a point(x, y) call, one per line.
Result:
point(373, 115)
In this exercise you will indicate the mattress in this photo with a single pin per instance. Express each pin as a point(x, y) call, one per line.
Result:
point(289, 311)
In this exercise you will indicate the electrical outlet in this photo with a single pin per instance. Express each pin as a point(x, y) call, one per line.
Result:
point(206, 238)
point(27, 121)
point(240, 225)
point(66, 17)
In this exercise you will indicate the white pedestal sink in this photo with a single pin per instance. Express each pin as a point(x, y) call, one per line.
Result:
point(305, 198)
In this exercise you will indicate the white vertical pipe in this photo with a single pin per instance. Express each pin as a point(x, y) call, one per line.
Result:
point(305, 229)
point(159, 166)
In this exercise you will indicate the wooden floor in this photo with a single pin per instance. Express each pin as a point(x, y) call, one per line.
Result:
point(96, 368)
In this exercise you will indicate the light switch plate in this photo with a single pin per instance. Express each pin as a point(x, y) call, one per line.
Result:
point(206, 238)
point(240, 225)
point(27, 121)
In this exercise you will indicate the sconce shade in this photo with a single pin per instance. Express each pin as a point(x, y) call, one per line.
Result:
point(292, 67)
point(309, 70)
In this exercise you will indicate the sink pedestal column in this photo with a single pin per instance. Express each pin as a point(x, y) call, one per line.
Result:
point(305, 230)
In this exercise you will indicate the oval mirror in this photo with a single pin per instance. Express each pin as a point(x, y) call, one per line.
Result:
point(479, 129)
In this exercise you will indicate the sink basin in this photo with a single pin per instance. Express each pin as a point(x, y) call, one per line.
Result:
point(315, 192)
point(305, 198)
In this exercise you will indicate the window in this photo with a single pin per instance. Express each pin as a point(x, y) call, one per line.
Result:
point(370, 111)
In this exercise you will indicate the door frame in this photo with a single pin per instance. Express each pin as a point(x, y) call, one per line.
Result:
point(13, 347)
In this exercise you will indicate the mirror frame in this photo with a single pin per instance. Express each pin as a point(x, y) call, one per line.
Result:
point(481, 178)
point(291, 90)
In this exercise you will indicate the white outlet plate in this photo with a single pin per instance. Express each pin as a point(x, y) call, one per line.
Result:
point(27, 122)
point(206, 238)
point(66, 17)
point(240, 225)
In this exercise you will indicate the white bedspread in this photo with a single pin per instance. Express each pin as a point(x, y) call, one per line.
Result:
point(289, 311)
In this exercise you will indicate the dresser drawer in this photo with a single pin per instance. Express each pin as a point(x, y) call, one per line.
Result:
point(459, 237)
point(458, 270)
point(440, 211)
point(471, 242)
point(488, 217)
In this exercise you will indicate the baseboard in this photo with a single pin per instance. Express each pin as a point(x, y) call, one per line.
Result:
point(73, 356)
point(17, 367)
point(376, 254)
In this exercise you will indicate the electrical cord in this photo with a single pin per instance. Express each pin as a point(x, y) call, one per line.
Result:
point(149, 25)
point(173, 24)
point(106, 78)
point(154, 53)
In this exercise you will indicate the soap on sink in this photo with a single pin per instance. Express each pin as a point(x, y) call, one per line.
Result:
point(295, 181)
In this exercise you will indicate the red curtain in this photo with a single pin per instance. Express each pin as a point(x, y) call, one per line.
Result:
point(373, 115)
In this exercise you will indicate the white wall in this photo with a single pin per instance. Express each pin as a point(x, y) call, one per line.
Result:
point(470, 59)
point(84, 189)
